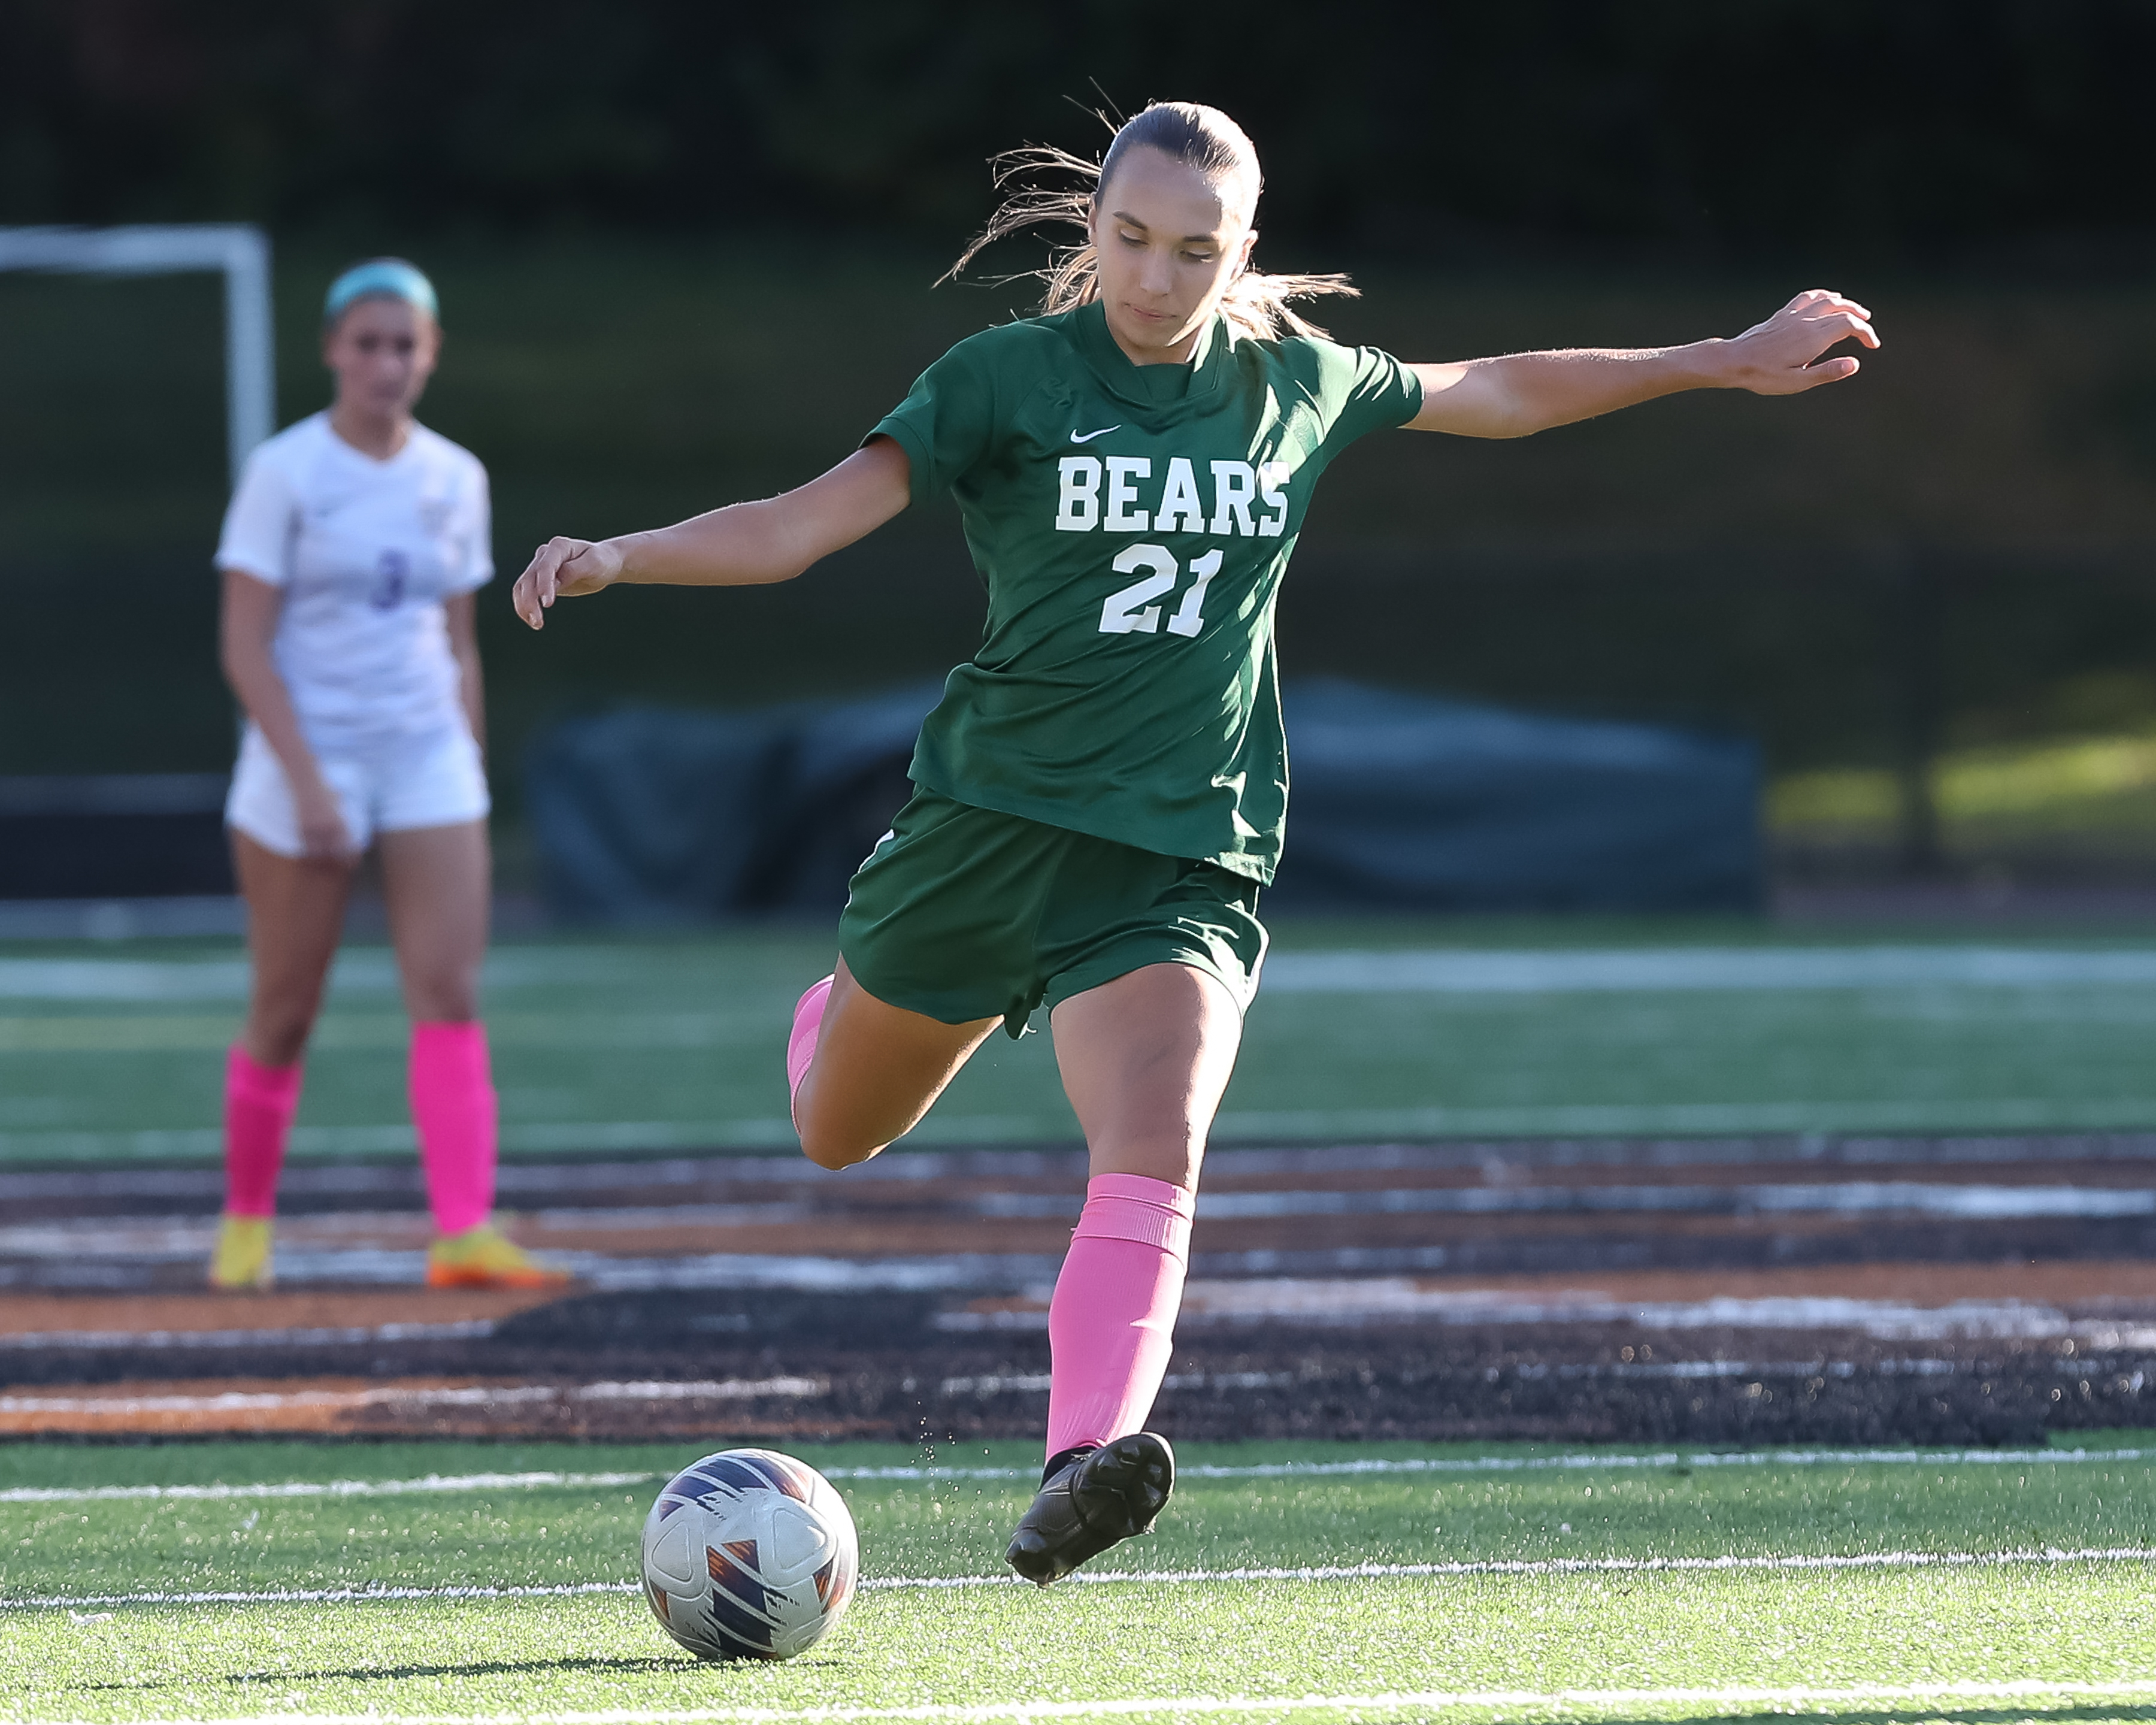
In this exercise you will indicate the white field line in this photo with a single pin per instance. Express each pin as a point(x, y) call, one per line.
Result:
point(481, 1396)
point(537, 1137)
point(76, 1236)
point(1559, 1701)
point(1687, 969)
point(316, 1336)
point(1038, 1383)
point(1402, 1297)
point(1538, 1463)
point(1847, 1197)
point(1440, 971)
point(1935, 1116)
point(1731, 1562)
point(436, 1483)
point(540, 1182)
point(358, 969)
point(102, 1235)
point(1624, 1120)
point(1671, 1458)
point(431, 1483)
point(1725, 1563)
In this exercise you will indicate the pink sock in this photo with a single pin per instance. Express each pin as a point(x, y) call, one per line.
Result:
point(801, 1046)
point(1111, 1324)
point(259, 1102)
point(453, 1105)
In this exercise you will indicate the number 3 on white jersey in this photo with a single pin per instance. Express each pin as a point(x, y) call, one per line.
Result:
point(1122, 615)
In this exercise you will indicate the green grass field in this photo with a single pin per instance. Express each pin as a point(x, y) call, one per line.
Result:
point(670, 1043)
point(1507, 1584)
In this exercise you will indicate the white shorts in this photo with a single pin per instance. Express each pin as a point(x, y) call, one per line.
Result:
point(431, 778)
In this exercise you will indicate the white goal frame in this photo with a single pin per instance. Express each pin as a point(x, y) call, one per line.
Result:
point(238, 252)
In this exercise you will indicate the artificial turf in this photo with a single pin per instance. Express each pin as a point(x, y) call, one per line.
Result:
point(645, 1044)
point(1575, 1613)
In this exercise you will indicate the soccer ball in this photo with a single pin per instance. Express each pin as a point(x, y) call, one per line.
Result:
point(749, 1554)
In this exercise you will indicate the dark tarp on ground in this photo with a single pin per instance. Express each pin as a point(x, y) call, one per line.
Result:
point(653, 815)
point(1401, 802)
point(1409, 802)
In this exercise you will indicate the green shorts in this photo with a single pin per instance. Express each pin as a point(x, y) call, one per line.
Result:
point(961, 913)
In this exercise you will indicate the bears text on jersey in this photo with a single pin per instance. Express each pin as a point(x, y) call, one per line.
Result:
point(1103, 492)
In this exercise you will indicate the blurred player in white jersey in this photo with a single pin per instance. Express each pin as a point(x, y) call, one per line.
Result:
point(350, 556)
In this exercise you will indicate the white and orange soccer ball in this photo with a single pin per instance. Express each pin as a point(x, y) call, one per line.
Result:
point(749, 1554)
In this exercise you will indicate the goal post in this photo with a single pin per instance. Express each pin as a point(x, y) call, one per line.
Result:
point(238, 252)
point(106, 854)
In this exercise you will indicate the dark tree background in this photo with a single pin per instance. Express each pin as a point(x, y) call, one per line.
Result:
point(1910, 130)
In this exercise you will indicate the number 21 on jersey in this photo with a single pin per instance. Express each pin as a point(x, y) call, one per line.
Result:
point(1132, 611)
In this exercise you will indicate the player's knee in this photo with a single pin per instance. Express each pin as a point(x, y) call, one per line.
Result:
point(1174, 1157)
point(833, 1156)
point(827, 1147)
point(825, 1153)
point(278, 1037)
point(450, 998)
point(834, 1151)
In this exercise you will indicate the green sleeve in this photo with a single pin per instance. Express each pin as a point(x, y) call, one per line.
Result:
point(946, 423)
point(1366, 389)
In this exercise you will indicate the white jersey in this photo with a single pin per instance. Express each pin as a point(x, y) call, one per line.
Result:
point(366, 552)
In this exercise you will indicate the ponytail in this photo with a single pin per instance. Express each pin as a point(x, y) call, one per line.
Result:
point(1200, 137)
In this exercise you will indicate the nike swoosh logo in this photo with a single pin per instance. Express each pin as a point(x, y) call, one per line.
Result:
point(1090, 435)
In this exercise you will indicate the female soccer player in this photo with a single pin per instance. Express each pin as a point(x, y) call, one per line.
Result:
point(350, 555)
point(1099, 795)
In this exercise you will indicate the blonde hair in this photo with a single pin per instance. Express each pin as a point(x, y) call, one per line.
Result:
point(1199, 136)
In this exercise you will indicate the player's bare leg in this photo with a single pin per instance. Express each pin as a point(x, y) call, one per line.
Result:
point(295, 915)
point(435, 885)
point(1145, 1061)
point(435, 888)
point(877, 1070)
point(296, 910)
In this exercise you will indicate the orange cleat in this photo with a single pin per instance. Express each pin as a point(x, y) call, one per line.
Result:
point(484, 1257)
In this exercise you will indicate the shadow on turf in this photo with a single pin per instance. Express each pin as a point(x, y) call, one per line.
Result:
point(2108, 1715)
point(2096, 1715)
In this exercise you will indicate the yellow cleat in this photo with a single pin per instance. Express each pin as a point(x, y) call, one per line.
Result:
point(240, 1262)
point(484, 1257)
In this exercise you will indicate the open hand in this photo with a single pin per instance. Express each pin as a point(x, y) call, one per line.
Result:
point(563, 569)
point(1782, 355)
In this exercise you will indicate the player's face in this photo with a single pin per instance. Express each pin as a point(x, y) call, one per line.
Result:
point(1169, 241)
point(382, 352)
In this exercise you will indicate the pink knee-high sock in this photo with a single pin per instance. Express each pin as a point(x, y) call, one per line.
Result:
point(259, 1102)
point(453, 1105)
point(801, 1046)
point(1111, 1324)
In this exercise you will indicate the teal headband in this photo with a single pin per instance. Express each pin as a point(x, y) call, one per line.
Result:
point(380, 278)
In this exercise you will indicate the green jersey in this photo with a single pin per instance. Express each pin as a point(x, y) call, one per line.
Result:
point(1133, 524)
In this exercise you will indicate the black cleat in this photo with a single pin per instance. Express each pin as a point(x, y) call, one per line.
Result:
point(1092, 1500)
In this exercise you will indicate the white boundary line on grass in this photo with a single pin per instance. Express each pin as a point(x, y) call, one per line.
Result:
point(1538, 1463)
point(1439, 970)
point(1561, 1566)
point(435, 1483)
point(432, 1482)
point(960, 1714)
point(1728, 1562)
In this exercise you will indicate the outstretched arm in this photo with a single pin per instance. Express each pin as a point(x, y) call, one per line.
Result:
point(742, 545)
point(1526, 392)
